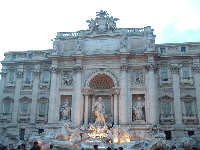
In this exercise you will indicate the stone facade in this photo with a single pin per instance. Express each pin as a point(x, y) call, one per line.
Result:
point(143, 85)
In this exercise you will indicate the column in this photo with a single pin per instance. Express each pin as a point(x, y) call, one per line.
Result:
point(176, 90)
point(152, 93)
point(86, 111)
point(53, 93)
point(77, 102)
point(35, 94)
point(18, 85)
point(123, 103)
point(196, 70)
point(2, 84)
point(115, 109)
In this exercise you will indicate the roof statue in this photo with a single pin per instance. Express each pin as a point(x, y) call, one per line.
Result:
point(102, 23)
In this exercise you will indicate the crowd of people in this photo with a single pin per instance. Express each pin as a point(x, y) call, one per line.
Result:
point(37, 147)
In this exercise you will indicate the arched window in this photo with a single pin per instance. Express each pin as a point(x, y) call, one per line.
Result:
point(7, 106)
point(25, 106)
point(101, 81)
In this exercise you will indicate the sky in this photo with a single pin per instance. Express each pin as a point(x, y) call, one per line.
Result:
point(31, 24)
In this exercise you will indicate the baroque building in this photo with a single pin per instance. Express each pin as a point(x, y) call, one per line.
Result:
point(143, 85)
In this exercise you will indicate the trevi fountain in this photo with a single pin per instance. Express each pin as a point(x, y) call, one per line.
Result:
point(106, 86)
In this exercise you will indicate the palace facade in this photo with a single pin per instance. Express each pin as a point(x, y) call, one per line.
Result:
point(143, 85)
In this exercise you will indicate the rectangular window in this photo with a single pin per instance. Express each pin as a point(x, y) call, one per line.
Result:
point(186, 74)
point(162, 50)
point(42, 109)
point(30, 56)
point(28, 77)
point(24, 107)
point(190, 133)
point(188, 108)
point(164, 73)
point(21, 133)
point(6, 107)
point(11, 76)
point(45, 76)
point(14, 56)
point(183, 49)
point(168, 135)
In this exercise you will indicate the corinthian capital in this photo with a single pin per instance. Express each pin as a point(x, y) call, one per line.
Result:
point(124, 67)
point(196, 68)
point(151, 67)
point(19, 74)
point(77, 68)
point(174, 68)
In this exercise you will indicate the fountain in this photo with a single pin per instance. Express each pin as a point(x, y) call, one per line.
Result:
point(98, 133)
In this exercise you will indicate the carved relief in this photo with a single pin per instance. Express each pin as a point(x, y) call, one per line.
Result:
point(67, 79)
point(137, 78)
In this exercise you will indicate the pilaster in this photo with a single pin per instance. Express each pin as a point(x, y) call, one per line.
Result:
point(19, 78)
point(77, 102)
point(123, 102)
point(196, 73)
point(152, 93)
point(36, 72)
point(176, 90)
point(53, 93)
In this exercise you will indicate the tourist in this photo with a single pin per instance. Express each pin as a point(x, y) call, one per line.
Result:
point(51, 147)
point(11, 147)
point(95, 147)
point(120, 148)
point(35, 146)
point(22, 147)
point(109, 148)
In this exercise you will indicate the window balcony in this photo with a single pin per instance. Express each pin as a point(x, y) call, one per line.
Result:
point(10, 84)
point(167, 118)
point(42, 118)
point(44, 85)
point(24, 117)
point(187, 80)
point(5, 116)
point(190, 118)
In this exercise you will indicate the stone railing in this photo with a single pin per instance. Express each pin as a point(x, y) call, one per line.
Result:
point(167, 118)
point(190, 118)
point(24, 117)
point(80, 33)
point(5, 116)
point(42, 118)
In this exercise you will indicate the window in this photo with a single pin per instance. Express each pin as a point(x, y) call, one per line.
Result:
point(162, 50)
point(14, 56)
point(21, 133)
point(42, 109)
point(188, 108)
point(45, 77)
point(164, 73)
point(28, 77)
point(166, 107)
point(185, 71)
point(24, 107)
point(190, 133)
point(6, 107)
point(30, 56)
point(11, 76)
point(40, 131)
point(168, 135)
point(183, 49)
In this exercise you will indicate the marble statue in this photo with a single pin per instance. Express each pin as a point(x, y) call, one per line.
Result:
point(99, 110)
point(65, 111)
point(138, 110)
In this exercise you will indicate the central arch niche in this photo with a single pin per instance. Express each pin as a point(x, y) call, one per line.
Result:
point(101, 81)
point(101, 84)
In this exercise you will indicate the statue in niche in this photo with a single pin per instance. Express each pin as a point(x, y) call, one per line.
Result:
point(139, 110)
point(65, 111)
point(139, 78)
point(124, 43)
point(99, 110)
point(67, 79)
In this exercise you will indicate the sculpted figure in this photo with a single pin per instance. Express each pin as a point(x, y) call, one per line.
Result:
point(138, 110)
point(65, 111)
point(99, 111)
